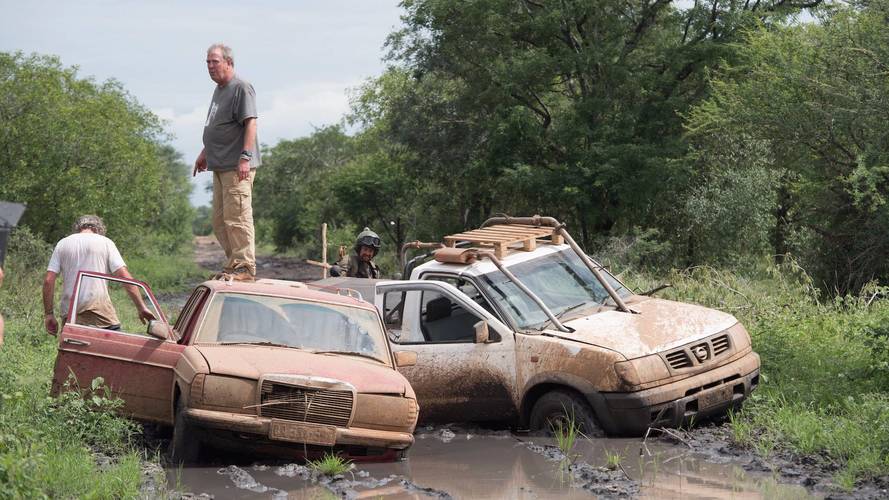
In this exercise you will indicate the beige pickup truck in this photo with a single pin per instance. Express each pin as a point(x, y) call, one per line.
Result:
point(513, 322)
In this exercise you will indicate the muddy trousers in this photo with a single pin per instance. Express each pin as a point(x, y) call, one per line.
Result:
point(233, 219)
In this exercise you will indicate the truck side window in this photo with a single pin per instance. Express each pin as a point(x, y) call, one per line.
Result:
point(393, 309)
point(445, 321)
point(469, 289)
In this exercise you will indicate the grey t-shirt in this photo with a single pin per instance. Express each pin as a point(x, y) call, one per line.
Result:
point(224, 129)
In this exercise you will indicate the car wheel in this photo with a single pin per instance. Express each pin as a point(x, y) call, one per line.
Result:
point(559, 409)
point(184, 447)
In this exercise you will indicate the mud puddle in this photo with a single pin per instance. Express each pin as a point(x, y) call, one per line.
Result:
point(451, 462)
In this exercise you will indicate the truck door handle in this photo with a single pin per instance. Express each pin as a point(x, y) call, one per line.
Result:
point(76, 342)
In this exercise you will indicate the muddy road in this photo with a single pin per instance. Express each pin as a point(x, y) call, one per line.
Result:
point(456, 462)
point(453, 461)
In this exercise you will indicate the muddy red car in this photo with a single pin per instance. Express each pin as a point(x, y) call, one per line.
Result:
point(268, 367)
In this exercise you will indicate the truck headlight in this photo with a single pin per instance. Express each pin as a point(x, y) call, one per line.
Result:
point(641, 370)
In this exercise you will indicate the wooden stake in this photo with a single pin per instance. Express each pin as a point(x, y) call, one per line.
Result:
point(324, 249)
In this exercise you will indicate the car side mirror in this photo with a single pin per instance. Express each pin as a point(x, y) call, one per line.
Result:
point(482, 335)
point(158, 329)
point(405, 358)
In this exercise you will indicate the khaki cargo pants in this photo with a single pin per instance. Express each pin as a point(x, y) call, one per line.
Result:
point(233, 219)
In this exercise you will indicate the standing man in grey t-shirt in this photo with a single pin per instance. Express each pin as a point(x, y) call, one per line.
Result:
point(231, 152)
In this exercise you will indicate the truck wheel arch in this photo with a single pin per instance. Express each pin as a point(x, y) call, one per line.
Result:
point(543, 383)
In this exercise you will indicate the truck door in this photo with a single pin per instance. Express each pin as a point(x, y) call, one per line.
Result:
point(456, 379)
point(136, 366)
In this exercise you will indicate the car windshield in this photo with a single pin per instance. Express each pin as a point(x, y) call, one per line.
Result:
point(561, 280)
point(234, 318)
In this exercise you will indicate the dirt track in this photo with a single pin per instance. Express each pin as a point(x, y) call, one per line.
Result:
point(209, 255)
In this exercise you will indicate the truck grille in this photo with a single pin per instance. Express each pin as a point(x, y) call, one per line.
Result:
point(698, 354)
point(678, 359)
point(303, 404)
point(720, 345)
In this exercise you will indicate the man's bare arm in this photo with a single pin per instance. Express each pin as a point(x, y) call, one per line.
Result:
point(249, 145)
point(200, 164)
point(135, 295)
point(49, 291)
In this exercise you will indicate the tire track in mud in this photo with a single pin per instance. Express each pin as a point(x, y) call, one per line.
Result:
point(340, 485)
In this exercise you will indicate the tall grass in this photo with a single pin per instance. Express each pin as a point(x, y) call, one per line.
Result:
point(825, 363)
point(68, 447)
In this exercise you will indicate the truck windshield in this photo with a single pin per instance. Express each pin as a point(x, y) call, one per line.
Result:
point(235, 318)
point(561, 280)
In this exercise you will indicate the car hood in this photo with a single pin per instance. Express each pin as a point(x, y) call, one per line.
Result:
point(660, 325)
point(252, 362)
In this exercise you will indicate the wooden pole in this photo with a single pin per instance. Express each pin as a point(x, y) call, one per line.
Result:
point(324, 249)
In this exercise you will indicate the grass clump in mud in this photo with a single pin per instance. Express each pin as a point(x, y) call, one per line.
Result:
point(824, 387)
point(566, 431)
point(330, 464)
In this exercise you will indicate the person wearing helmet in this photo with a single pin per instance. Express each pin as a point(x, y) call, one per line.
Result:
point(360, 264)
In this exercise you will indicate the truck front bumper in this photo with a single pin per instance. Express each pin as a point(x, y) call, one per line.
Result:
point(674, 404)
point(262, 429)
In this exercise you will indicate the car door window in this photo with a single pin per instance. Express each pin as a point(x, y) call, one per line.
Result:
point(444, 321)
point(468, 288)
point(187, 316)
point(107, 304)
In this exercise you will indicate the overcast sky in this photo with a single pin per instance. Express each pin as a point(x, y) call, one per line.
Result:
point(301, 56)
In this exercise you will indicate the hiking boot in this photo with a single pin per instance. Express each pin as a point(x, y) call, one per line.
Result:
point(240, 274)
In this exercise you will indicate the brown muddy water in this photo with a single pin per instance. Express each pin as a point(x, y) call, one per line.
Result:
point(450, 462)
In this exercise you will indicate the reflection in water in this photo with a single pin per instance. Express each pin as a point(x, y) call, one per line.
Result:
point(497, 465)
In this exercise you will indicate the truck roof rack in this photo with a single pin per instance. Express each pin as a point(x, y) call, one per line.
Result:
point(501, 237)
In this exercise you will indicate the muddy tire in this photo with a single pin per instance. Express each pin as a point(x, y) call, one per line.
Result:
point(184, 447)
point(563, 407)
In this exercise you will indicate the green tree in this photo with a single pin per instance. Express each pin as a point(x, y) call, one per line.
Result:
point(72, 146)
point(815, 98)
point(571, 108)
point(293, 185)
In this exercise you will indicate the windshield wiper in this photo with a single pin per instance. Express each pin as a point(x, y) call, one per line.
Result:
point(265, 343)
point(351, 353)
point(569, 309)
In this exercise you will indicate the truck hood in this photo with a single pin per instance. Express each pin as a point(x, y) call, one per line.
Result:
point(660, 325)
point(252, 362)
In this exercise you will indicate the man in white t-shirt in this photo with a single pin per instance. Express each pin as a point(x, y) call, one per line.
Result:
point(87, 249)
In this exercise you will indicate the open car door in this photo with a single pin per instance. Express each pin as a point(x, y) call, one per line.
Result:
point(104, 337)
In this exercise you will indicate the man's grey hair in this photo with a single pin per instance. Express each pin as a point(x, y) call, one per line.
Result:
point(93, 222)
point(225, 50)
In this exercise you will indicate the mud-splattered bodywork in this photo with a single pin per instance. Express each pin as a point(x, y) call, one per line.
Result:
point(242, 394)
point(661, 363)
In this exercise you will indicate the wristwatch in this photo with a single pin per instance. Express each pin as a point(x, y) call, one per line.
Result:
point(246, 155)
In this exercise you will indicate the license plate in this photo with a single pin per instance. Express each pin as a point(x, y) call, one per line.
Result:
point(715, 397)
point(322, 435)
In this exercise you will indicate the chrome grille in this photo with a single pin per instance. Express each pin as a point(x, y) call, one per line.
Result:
point(305, 404)
point(678, 359)
point(720, 345)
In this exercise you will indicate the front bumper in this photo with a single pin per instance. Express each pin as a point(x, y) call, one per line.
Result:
point(261, 427)
point(672, 405)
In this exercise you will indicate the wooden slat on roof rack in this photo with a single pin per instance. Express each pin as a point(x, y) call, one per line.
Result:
point(502, 236)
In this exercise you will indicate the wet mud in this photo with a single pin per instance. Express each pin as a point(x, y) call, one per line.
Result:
point(470, 462)
point(815, 472)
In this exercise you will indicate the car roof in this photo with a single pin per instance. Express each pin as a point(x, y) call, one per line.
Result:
point(296, 289)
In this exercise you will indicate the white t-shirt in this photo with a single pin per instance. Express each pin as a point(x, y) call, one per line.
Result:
point(84, 252)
